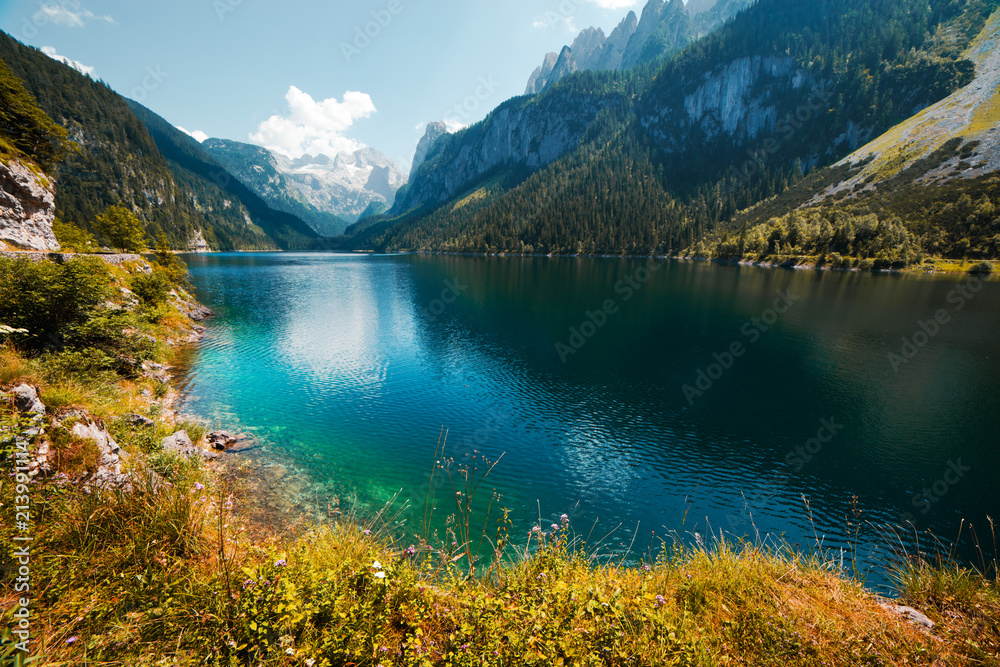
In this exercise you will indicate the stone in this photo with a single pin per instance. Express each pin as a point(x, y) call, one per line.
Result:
point(26, 400)
point(179, 443)
point(910, 614)
point(109, 473)
point(139, 420)
point(27, 207)
point(221, 440)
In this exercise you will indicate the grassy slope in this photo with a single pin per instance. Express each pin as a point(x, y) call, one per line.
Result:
point(181, 576)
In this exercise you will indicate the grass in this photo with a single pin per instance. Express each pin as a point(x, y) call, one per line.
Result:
point(176, 572)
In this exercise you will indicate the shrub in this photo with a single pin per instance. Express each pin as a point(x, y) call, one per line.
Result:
point(47, 298)
point(72, 238)
point(152, 289)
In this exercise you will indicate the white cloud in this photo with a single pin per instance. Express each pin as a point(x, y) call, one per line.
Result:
point(68, 14)
point(453, 125)
point(314, 128)
point(50, 51)
point(197, 135)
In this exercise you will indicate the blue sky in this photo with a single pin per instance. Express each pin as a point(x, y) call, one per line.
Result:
point(295, 74)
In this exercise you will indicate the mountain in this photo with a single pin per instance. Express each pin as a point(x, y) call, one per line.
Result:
point(435, 131)
point(117, 161)
point(935, 178)
point(664, 29)
point(662, 157)
point(192, 166)
point(257, 168)
point(344, 185)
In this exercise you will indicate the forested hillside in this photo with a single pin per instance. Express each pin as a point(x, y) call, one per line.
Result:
point(675, 153)
point(118, 162)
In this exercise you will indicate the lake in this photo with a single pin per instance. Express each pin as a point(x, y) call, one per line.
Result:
point(641, 399)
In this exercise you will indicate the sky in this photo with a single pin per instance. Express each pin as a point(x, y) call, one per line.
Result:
point(310, 76)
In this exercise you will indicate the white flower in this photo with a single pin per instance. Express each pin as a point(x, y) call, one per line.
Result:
point(380, 575)
point(290, 651)
point(310, 662)
point(377, 565)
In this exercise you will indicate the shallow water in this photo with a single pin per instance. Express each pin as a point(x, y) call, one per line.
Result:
point(349, 366)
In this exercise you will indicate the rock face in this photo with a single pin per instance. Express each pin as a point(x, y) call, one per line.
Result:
point(664, 28)
point(27, 208)
point(532, 135)
point(434, 132)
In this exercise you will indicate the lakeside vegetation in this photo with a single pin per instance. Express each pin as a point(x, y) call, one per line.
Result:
point(171, 569)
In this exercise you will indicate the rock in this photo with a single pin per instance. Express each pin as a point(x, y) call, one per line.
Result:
point(27, 207)
point(221, 440)
point(26, 400)
point(911, 615)
point(109, 472)
point(243, 443)
point(139, 420)
point(155, 371)
point(179, 443)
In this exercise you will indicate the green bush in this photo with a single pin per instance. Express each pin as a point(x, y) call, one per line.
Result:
point(72, 238)
point(48, 299)
point(152, 289)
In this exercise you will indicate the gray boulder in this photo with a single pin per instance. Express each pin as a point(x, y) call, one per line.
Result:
point(26, 400)
point(180, 444)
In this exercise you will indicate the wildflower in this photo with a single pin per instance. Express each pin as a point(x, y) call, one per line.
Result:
point(380, 575)
point(410, 551)
point(383, 649)
point(280, 563)
point(377, 565)
point(564, 517)
point(72, 640)
point(536, 529)
point(248, 583)
point(646, 568)
point(555, 526)
point(310, 662)
point(367, 531)
point(660, 601)
point(290, 651)
point(198, 486)
point(542, 576)
point(463, 647)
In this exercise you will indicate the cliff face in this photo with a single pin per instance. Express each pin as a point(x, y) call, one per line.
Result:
point(525, 133)
point(27, 207)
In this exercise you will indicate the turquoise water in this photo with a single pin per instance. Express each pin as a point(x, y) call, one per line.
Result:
point(676, 396)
